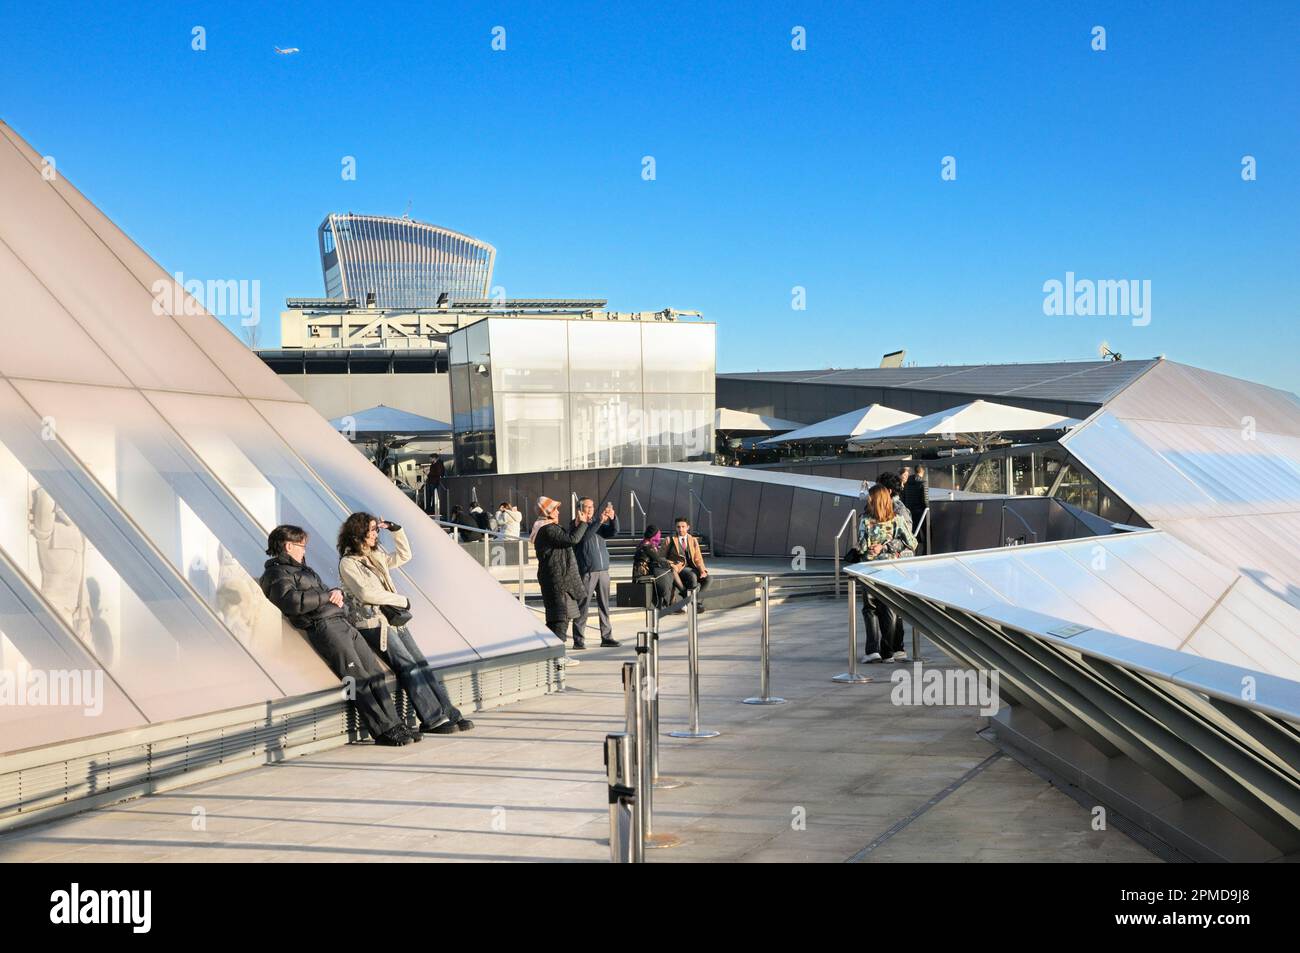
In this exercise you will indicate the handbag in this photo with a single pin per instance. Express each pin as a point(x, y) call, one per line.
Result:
point(396, 616)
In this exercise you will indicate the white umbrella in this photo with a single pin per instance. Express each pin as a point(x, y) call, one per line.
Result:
point(846, 426)
point(742, 421)
point(976, 424)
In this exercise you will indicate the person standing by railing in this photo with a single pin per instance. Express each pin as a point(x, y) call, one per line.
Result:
point(916, 497)
point(508, 520)
point(882, 534)
point(592, 555)
point(557, 569)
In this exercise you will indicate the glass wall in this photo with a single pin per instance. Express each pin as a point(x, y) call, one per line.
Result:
point(575, 394)
point(199, 529)
point(133, 613)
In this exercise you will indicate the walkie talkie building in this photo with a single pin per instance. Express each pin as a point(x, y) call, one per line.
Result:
point(403, 263)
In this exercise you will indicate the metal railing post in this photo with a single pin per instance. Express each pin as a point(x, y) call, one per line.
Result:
point(764, 696)
point(645, 746)
point(838, 536)
point(852, 676)
point(693, 673)
point(624, 839)
point(521, 571)
point(661, 783)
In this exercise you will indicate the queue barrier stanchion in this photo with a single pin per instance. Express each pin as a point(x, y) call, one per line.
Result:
point(624, 822)
point(520, 547)
point(652, 658)
point(693, 672)
point(852, 676)
point(643, 708)
point(765, 696)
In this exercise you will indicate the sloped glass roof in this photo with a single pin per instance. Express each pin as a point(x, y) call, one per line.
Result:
point(1147, 586)
point(144, 455)
point(1211, 460)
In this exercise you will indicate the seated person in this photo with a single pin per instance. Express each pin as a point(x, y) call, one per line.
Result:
point(648, 561)
point(296, 590)
point(682, 550)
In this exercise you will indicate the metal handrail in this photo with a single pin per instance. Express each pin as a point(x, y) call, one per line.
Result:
point(495, 534)
point(838, 536)
point(917, 530)
point(1002, 532)
point(634, 500)
point(438, 495)
point(714, 549)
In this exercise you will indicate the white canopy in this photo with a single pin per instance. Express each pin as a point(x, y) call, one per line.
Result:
point(977, 423)
point(724, 418)
point(846, 426)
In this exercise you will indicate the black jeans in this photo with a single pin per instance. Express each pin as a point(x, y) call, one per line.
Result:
point(348, 655)
point(428, 695)
point(693, 580)
point(884, 630)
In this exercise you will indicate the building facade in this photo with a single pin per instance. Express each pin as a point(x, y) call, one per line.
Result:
point(530, 394)
point(402, 263)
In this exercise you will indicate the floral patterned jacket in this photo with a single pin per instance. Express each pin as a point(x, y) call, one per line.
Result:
point(895, 536)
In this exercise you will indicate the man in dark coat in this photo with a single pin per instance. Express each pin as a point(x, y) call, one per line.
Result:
point(593, 566)
point(916, 497)
point(295, 589)
point(557, 569)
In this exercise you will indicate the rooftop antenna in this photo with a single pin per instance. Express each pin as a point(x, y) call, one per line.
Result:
point(1105, 351)
point(407, 213)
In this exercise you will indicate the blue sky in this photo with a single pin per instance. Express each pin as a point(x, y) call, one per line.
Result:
point(775, 168)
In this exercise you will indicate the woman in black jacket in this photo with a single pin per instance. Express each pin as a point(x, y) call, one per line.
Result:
point(294, 588)
point(557, 569)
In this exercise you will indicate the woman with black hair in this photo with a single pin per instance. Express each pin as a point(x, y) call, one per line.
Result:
point(648, 562)
point(380, 614)
point(295, 589)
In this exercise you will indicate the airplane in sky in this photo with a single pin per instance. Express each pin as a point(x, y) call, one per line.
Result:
point(292, 49)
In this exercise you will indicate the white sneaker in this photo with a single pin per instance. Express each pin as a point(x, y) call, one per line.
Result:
point(900, 656)
point(567, 662)
point(871, 657)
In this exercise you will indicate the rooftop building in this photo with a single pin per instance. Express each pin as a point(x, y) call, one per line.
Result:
point(401, 263)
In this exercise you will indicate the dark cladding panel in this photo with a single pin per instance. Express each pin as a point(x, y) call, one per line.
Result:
point(717, 497)
point(685, 504)
point(945, 525)
point(743, 516)
point(607, 490)
point(635, 480)
point(773, 520)
point(555, 484)
point(529, 489)
point(585, 483)
point(805, 514)
point(833, 512)
point(980, 524)
point(663, 496)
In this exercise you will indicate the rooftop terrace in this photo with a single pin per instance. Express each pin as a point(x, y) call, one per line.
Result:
point(875, 782)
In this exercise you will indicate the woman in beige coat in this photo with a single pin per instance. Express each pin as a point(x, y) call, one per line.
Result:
point(365, 573)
